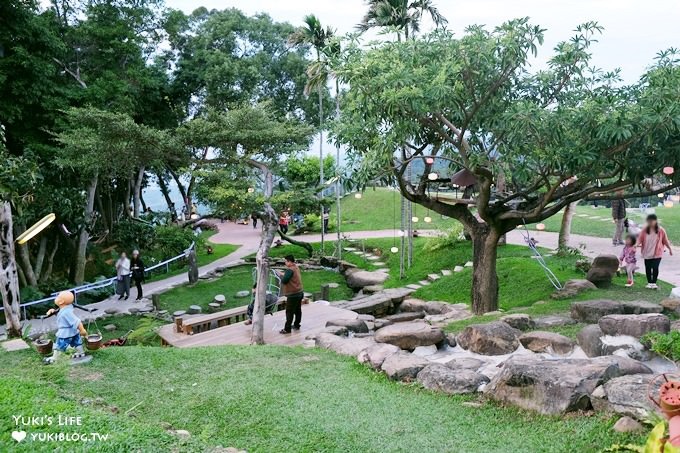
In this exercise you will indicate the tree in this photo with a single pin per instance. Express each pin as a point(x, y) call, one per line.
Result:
point(249, 142)
point(400, 15)
point(313, 34)
point(556, 136)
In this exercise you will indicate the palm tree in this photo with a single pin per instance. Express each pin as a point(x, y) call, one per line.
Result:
point(313, 34)
point(401, 15)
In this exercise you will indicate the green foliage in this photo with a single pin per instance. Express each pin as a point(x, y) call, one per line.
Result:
point(305, 170)
point(449, 239)
point(146, 332)
point(665, 344)
point(656, 443)
point(132, 234)
point(29, 293)
point(172, 240)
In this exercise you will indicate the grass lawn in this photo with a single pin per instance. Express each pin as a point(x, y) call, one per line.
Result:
point(589, 226)
point(266, 399)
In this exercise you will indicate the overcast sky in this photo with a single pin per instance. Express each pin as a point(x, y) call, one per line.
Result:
point(634, 31)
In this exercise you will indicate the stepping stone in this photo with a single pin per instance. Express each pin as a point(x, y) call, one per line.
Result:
point(179, 313)
point(350, 249)
point(146, 310)
point(219, 299)
point(358, 253)
point(378, 263)
point(242, 294)
point(424, 282)
point(111, 311)
point(162, 312)
point(212, 306)
point(458, 269)
point(194, 309)
point(446, 272)
point(383, 269)
point(15, 345)
point(372, 257)
point(583, 215)
point(468, 264)
point(133, 310)
point(333, 285)
point(413, 286)
point(110, 327)
point(433, 277)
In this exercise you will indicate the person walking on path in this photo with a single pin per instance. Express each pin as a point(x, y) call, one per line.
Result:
point(137, 266)
point(619, 216)
point(283, 223)
point(653, 240)
point(254, 217)
point(628, 259)
point(123, 277)
point(292, 289)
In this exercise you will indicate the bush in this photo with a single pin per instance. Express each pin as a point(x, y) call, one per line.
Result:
point(131, 234)
point(447, 240)
point(583, 265)
point(665, 344)
point(173, 240)
point(29, 294)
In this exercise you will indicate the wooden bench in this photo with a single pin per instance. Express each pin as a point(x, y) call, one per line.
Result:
point(204, 323)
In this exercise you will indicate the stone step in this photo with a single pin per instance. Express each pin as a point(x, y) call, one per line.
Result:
point(446, 272)
point(433, 277)
point(458, 269)
point(424, 282)
point(414, 286)
point(379, 303)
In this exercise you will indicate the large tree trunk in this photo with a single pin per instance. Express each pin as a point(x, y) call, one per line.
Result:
point(40, 258)
point(47, 273)
point(84, 238)
point(166, 192)
point(9, 279)
point(484, 276)
point(137, 195)
point(305, 245)
point(27, 267)
point(565, 228)
point(270, 226)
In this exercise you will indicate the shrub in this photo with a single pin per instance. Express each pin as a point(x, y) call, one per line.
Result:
point(131, 234)
point(29, 293)
point(583, 265)
point(450, 238)
point(665, 344)
point(173, 240)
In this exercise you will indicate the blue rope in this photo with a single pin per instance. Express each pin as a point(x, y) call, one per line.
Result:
point(532, 246)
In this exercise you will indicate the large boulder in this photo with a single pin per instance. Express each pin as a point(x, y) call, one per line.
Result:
point(403, 366)
point(378, 304)
point(572, 288)
point(590, 311)
point(357, 279)
point(342, 345)
point(550, 386)
point(634, 325)
point(626, 365)
point(626, 395)
point(637, 307)
point(602, 270)
point(671, 306)
point(549, 342)
point(413, 305)
point(406, 316)
point(447, 380)
point(624, 345)
point(410, 335)
point(519, 321)
point(590, 340)
point(546, 322)
point(375, 355)
point(466, 363)
point(353, 325)
point(494, 338)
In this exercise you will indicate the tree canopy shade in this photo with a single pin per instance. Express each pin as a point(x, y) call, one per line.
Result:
point(534, 141)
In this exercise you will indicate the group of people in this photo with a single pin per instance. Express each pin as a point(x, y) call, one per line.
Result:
point(127, 270)
point(652, 241)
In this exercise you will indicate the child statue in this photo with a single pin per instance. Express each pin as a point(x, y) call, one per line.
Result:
point(70, 329)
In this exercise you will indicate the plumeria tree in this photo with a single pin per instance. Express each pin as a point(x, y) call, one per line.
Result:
point(531, 142)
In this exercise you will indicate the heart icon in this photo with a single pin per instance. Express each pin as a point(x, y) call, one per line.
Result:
point(18, 435)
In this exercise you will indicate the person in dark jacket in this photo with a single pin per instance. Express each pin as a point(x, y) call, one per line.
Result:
point(137, 268)
point(619, 216)
point(292, 289)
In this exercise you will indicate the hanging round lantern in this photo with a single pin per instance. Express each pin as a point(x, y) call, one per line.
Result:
point(660, 195)
point(668, 204)
point(429, 161)
point(433, 176)
point(427, 219)
point(414, 219)
point(251, 190)
point(540, 226)
point(668, 171)
point(394, 249)
point(358, 195)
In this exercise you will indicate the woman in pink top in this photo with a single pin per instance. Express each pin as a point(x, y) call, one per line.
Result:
point(653, 240)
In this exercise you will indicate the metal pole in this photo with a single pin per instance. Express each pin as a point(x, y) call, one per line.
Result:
point(321, 178)
point(337, 169)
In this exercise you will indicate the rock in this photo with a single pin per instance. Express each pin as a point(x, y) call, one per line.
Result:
point(638, 307)
point(133, 310)
point(329, 261)
point(406, 316)
point(341, 345)
point(381, 322)
point(335, 330)
point(451, 340)
point(450, 381)
point(373, 289)
point(589, 339)
point(433, 277)
point(358, 279)
point(162, 312)
point(213, 306)
point(220, 299)
point(424, 351)
point(110, 327)
point(194, 309)
point(549, 386)
point(352, 325)
point(111, 311)
point(375, 355)
point(547, 342)
point(465, 363)
point(409, 335)
point(446, 272)
point(626, 365)
point(634, 325)
point(403, 366)
point(591, 311)
point(671, 306)
point(458, 269)
point(628, 425)
point(366, 318)
point(494, 338)
point(376, 304)
point(546, 322)
point(242, 294)
point(519, 321)
point(625, 395)
point(572, 288)
point(602, 270)
point(675, 325)
point(147, 309)
point(675, 293)
point(412, 305)
point(624, 345)
point(469, 264)
point(181, 433)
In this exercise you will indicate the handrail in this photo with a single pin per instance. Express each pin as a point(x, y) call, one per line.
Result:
point(102, 283)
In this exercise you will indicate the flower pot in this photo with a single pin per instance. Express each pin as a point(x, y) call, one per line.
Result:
point(44, 346)
point(94, 341)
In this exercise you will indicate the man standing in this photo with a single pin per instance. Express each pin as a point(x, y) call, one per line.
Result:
point(292, 289)
point(619, 216)
point(137, 272)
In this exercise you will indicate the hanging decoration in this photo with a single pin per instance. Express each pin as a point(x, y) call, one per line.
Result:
point(251, 190)
point(540, 227)
point(668, 171)
point(36, 228)
point(429, 160)
point(433, 176)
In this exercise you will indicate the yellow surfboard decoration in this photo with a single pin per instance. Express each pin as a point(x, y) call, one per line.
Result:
point(36, 228)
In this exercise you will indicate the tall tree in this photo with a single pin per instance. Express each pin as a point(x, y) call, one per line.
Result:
point(404, 16)
point(556, 136)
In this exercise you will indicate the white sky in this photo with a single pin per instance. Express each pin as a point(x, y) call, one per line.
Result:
point(634, 31)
